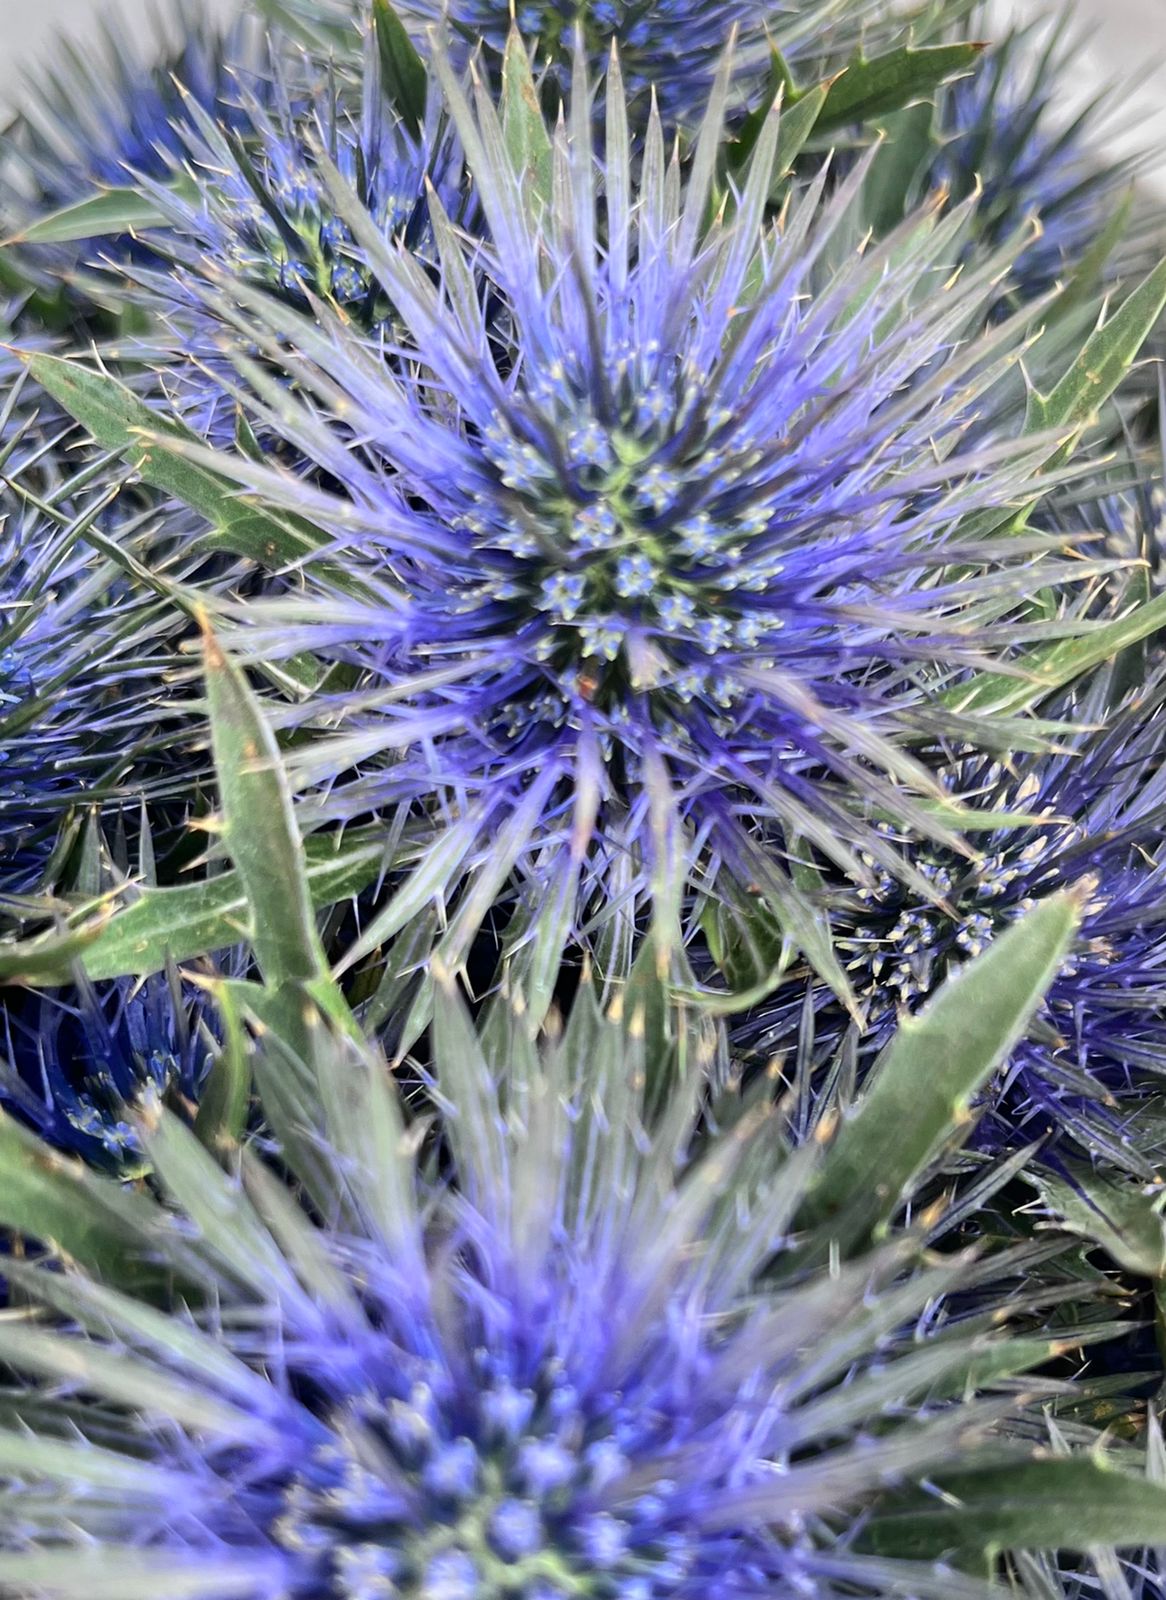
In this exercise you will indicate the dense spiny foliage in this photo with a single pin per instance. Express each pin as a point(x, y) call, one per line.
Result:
point(686, 569)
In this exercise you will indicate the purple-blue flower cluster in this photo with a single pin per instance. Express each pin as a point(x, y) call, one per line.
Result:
point(646, 513)
point(1004, 136)
point(1092, 813)
point(86, 714)
point(587, 1358)
point(261, 209)
point(73, 1065)
point(650, 569)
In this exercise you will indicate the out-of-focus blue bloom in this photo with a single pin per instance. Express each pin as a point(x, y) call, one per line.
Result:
point(103, 118)
point(669, 48)
point(667, 524)
point(1097, 1051)
point(585, 1358)
point(1004, 133)
point(103, 114)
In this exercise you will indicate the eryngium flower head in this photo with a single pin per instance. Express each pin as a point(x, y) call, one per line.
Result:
point(1097, 1050)
point(92, 710)
point(75, 1064)
point(1003, 133)
point(261, 209)
point(581, 1355)
point(672, 520)
point(102, 119)
point(669, 48)
point(99, 116)
point(76, 674)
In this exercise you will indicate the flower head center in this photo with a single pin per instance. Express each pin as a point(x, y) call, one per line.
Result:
point(495, 1496)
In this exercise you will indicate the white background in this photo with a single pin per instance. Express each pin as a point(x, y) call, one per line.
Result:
point(1125, 37)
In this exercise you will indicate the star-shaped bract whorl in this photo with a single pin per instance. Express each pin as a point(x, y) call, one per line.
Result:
point(654, 505)
point(261, 212)
point(581, 1354)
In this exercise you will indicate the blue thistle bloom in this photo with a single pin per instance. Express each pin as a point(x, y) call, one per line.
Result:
point(88, 710)
point(667, 525)
point(74, 1065)
point(586, 1358)
point(669, 48)
point(106, 119)
point(102, 116)
point(262, 210)
point(1002, 133)
point(1097, 1050)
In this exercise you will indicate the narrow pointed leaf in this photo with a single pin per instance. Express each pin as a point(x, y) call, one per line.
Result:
point(222, 1110)
point(58, 1201)
point(779, 82)
point(892, 81)
point(403, 73)
point(1070, 1504)
point(1103, 362)
point(172, 923)
point(1054, 666)
point(51, 957)
point(117, 418)
point(919, 1095)
point(527, 140)
point(108, 212)
point(178, 923)
point(259, 827)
